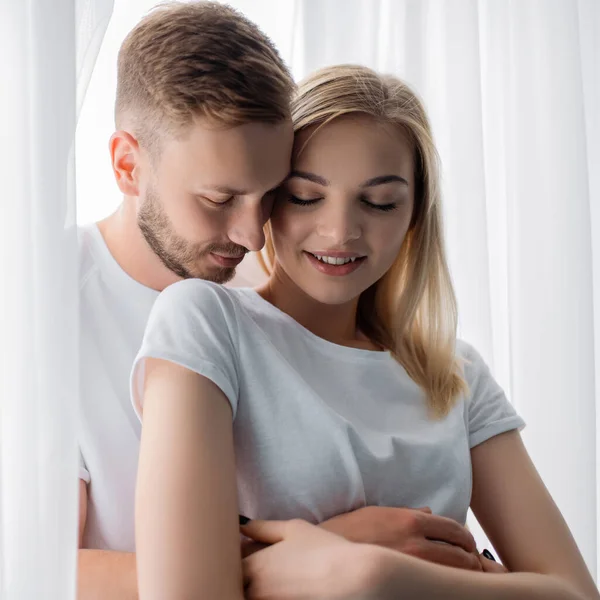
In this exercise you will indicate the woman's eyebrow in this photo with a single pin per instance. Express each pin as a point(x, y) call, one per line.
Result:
point(382, 179)
point(379, 180)
point(308, 176)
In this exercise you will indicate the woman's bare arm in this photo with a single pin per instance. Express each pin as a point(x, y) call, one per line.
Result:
point(305, 561)
point(519, 516)
point(187, 532)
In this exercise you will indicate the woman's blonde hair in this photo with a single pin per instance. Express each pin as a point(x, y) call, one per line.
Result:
point(411, 311)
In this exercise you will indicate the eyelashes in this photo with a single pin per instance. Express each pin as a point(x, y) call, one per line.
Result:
point(382, 207)
point(379, 207)
point(301, 202)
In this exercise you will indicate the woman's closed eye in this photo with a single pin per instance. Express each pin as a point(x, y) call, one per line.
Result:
point(383, 207)
point(302, 201)
point(365, 201)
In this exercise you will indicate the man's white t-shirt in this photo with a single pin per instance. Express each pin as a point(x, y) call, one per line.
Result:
point(114, 309)
point(321, 429)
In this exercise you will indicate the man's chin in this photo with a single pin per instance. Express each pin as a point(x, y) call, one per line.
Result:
point(216, 275)
point(224, 276)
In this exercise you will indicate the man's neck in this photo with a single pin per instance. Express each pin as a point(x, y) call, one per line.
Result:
point(130, 249)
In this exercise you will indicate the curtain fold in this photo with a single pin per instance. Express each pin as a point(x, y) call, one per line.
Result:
point(589, 28)
point(43, 43)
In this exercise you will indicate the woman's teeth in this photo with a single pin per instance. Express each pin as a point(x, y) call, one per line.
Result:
point(332, 260)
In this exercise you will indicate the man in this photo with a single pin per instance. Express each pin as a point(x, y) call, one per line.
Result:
point(203, 139)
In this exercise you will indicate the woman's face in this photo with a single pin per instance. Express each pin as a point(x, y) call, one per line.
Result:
point(341, 218)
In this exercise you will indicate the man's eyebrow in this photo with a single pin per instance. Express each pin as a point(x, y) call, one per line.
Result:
point(223, 189)
point(382, 179)
point(309, 177)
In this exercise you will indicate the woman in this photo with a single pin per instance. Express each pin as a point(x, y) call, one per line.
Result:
point(340, 382)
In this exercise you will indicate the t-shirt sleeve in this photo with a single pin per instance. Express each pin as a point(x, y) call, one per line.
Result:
point(489, 413)
point(192, 324)
point(83, 472)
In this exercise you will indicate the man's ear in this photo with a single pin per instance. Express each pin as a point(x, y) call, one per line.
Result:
point(125, 158)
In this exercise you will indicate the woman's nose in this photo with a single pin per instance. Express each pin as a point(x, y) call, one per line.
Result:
point(340, 225)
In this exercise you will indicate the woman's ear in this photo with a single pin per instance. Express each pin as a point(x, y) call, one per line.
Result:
point(125, 159)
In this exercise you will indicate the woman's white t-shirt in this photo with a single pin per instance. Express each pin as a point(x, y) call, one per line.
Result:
point(321, 429)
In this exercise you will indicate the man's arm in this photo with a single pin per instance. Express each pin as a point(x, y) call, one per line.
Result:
point(103, 574)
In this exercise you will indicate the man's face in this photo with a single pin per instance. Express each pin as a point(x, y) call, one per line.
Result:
point(204, 202)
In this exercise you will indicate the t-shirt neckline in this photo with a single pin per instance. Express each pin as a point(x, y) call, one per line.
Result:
point(331, 348)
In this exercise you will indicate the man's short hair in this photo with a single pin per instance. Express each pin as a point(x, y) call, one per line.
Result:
point(198, 59)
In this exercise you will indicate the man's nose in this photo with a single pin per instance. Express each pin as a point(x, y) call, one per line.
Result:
point(247, 228)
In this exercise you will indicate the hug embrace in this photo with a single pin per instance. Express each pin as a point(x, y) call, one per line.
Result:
point(333, 406)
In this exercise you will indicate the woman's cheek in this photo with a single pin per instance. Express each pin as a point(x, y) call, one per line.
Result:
point(290, 229)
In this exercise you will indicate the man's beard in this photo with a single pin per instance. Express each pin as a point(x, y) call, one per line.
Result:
point(178, 255)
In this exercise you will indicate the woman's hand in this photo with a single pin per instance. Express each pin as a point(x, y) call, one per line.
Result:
point(491, 566)
point(413, 531)
point(303, 562)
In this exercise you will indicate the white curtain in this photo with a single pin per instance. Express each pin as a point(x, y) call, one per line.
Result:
point(48, 50)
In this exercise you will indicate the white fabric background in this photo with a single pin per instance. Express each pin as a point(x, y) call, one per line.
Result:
point(513, 90)
point(48, 51)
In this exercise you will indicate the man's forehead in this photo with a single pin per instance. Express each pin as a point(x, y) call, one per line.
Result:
point(237, 169)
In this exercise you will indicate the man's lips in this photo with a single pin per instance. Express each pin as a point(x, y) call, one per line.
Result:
point(228, 261)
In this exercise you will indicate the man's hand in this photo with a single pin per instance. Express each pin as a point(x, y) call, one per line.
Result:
point(411, 531)
point(301, 562)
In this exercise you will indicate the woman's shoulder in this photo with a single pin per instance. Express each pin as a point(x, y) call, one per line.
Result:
point(465, 351)
point(198, 299)
point(471, 360)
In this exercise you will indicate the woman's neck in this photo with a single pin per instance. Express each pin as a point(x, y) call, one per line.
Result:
point(333, 322)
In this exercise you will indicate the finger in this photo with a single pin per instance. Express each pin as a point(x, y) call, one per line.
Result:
point(448, 555)
point(271, 532)
point(491, 566)
point(249, 547)
point(448, 530)
point(425, 509)
point(267, 532)
point(253, 564)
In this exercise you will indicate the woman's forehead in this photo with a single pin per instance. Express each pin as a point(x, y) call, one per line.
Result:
point(353, 146)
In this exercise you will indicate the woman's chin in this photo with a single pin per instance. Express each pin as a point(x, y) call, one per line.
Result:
point(333, 295)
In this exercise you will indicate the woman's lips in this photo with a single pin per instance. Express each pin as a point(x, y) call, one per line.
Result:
point(336, 270)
